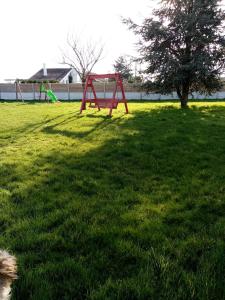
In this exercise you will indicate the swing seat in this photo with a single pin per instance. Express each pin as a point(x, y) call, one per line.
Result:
point(106, 103)
point(103, 103)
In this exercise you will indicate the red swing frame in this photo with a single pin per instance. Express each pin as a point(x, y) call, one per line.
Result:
point(99, 103)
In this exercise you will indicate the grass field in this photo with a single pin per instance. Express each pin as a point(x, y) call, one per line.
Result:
point(130, 207)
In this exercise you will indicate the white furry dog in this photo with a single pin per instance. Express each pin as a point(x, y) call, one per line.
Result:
point(8, 269)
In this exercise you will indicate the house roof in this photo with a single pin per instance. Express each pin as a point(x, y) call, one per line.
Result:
point(52, 74)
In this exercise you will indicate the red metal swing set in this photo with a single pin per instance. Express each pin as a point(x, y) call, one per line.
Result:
point(95, 102)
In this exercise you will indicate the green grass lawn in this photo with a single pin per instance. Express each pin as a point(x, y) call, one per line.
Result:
point(130, 207)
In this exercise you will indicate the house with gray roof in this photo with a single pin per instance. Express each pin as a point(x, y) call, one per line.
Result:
point(61, 75)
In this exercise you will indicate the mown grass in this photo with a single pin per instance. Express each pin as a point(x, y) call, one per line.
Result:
point(130, 207)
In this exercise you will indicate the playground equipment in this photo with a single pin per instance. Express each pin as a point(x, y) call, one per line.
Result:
point(48, 94)
point(90, 96)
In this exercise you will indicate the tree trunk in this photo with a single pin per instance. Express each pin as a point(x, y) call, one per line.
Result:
point(83, 84)
point(184, 101)
point(183, 95)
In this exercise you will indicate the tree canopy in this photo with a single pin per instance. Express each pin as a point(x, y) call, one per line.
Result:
point(82, 57)
point(183, 47)
point(122, 65)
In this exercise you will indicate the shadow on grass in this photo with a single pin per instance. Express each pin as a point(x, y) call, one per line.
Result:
point(27, 129)
point(140, 217)
point(105, 121)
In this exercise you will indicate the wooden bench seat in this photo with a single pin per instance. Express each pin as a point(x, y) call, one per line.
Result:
point(104, 103)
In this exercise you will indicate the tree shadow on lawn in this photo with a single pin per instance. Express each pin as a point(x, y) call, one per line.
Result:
point(141, 217)
point(13, 135)
point(105, 121)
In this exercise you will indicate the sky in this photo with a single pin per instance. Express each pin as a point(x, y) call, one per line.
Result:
point(34, 32)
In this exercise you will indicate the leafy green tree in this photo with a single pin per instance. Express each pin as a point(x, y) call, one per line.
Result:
point(183, 47)
point(123, 66)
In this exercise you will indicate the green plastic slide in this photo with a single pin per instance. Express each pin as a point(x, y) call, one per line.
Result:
point(52, 97)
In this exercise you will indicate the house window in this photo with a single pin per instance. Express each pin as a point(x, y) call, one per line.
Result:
point(70, 78)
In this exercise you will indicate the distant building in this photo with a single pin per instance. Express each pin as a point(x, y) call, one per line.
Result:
point(61, 75)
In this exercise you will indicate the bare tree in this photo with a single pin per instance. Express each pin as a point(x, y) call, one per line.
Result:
point(82, 57)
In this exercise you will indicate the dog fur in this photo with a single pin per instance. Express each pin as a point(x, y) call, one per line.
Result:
point(8, 273)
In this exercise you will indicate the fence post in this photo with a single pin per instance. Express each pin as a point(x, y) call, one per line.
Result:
point(33, 89)
point(104, 88)
point(68, 91)
point(16, 91)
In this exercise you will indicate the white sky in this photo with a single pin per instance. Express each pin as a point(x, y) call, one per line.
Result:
point(33, 31)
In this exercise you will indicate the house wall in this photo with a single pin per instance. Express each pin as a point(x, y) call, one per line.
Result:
point(74, 75)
